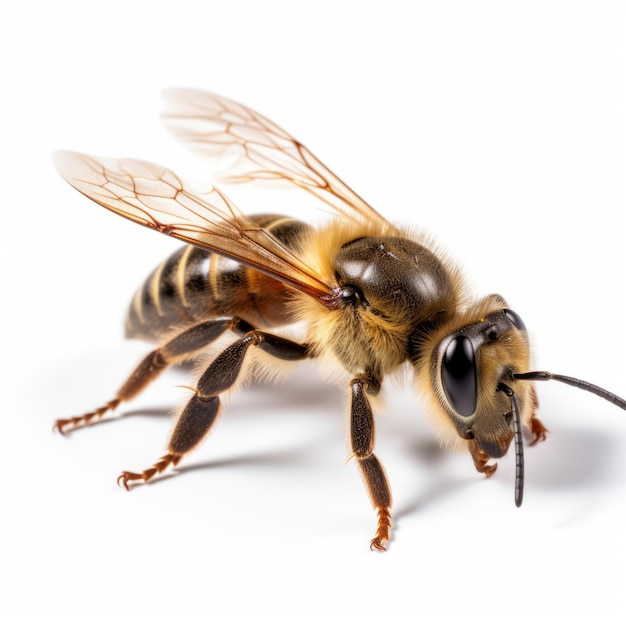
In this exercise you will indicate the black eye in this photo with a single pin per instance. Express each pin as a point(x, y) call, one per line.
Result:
point(515, 319)
point(459, 377)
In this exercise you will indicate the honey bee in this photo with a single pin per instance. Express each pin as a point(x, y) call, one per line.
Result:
point(373, 297)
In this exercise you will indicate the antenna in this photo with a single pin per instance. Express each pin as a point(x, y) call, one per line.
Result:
point(574, 382)
point(519, 444)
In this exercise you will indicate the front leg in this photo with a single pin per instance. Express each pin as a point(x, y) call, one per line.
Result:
point(481, 459)
point(538, 431)
point(362, 441)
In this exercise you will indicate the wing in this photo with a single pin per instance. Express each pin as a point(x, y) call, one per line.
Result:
point(216, 126)
point(153, 196)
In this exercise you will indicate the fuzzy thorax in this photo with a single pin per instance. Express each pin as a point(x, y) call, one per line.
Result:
point(398, 281)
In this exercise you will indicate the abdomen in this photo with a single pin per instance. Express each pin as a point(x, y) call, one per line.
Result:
point(193, 285)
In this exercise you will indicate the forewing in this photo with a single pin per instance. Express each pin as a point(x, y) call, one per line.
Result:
point(216, 126)
point(154, 196)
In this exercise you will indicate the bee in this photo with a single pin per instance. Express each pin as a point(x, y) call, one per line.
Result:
point(373, 297)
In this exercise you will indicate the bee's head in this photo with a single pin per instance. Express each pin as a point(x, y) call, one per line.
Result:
point(470, 367)
point(469, 360)
point(479, 381)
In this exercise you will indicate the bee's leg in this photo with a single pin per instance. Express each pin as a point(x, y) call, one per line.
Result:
point(201, 410)
point(362, 441)
point(481, 459)
point(538, 430)
point(177, 349)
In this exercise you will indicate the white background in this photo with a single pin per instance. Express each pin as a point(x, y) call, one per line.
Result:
point(496, 127)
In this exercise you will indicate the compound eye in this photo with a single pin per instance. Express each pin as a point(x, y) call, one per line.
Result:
point(459, 376)
point(515, 319)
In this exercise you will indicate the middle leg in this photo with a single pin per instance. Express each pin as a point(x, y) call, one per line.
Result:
point(362, 440)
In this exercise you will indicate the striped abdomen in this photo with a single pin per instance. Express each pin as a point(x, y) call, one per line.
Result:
point(193, 285)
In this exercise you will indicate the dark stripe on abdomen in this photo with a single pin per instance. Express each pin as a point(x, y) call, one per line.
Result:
point(193, 285)
point(174, 296)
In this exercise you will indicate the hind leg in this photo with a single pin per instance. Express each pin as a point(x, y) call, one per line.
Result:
point(200, 412)
point(181, 347)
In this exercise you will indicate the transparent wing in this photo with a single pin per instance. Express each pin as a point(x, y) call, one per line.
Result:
point(216, 126)
point(154, 196)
